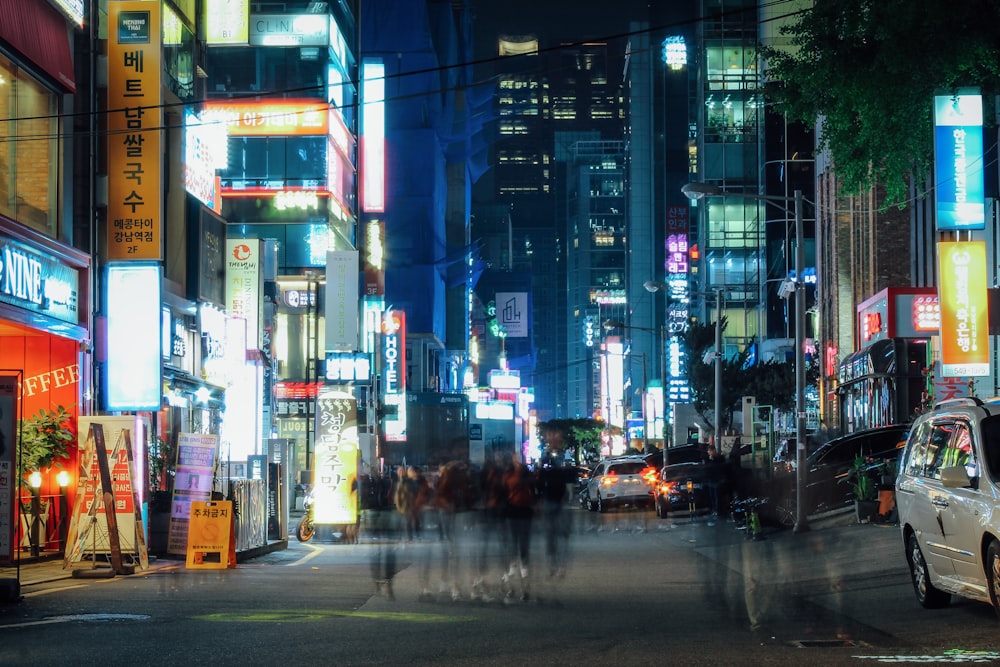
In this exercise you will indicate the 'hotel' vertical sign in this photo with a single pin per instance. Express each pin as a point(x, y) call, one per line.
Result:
point(135, 121)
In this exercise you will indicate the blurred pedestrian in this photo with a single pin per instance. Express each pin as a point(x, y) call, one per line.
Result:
point(449, 496)
point(555, 481)
point(492, 500)
point(382, 522)
point(520, 507)
point(716, 479)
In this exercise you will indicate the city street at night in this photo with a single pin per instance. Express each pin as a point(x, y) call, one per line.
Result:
point(635, 592)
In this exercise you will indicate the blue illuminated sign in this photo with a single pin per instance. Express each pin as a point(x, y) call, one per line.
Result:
point(958, 162)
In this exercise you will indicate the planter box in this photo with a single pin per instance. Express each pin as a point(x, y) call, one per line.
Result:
point(866, 511)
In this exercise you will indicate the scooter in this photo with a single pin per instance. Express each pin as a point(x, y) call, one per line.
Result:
point(306, 529)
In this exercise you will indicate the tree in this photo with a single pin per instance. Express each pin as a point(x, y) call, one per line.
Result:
point(771, 382)
point(870, 68)
point(581, 436)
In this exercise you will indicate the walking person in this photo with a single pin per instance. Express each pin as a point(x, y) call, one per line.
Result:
point(555, 480)
point(382, 522)
point(519, 511)
point(449, 493)
point(492, 551)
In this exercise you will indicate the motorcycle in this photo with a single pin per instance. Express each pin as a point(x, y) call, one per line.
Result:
point(306, 529)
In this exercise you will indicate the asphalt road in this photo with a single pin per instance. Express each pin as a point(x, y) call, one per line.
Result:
point(635, 592)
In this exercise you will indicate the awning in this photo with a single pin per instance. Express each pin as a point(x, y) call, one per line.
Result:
point(40, 34)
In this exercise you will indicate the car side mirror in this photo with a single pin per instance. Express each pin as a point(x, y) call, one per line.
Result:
point(955, 477)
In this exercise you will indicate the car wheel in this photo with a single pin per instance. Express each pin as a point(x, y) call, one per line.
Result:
point(993, 573)
point(601, 507)
point(927, 595)
point(785, 510)
point(590, 503)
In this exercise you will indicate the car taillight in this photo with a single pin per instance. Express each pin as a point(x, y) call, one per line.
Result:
point(608, 480)
point(666, 487)
point(649, 474)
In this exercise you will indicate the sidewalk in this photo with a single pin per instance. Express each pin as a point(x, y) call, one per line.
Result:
point(49, 566)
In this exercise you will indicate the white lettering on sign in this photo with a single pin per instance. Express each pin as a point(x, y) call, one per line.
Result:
point(20, 276)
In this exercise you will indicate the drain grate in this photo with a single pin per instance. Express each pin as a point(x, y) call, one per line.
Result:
point(827, 643)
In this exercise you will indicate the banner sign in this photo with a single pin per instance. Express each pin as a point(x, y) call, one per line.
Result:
point(245, 286)
point(192, 483)
point(8, 470)
point(341, 304)
point(106, 515)
point(335, 461)
point(210, 543)
point(135, 126)
point(962, 295)
point(513, 313)
point(958, 162)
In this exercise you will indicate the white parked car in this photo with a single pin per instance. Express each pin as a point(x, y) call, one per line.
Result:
point(948, 495)
point(619, 481)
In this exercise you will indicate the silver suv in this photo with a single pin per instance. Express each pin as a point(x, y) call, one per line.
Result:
point(948, 495)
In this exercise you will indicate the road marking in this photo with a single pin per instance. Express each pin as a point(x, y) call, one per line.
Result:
point(308, 557)
point(52, 590)
point(89, 618)
point(271, 616)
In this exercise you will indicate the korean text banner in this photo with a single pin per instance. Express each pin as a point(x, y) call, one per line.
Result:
point(958, 162)
point(342, 267)
point(135, 122)
point(335, 463)
point(962, 294)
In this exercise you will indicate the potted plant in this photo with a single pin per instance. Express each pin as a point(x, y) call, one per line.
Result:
point(45, 439)
point(863, 488)
point(887, 490)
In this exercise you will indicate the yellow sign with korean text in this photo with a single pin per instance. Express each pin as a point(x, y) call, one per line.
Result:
point(210, 536)
point(135, 127)
point(962, 294)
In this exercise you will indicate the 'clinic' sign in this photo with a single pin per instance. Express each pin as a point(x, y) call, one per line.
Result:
point(964, 315)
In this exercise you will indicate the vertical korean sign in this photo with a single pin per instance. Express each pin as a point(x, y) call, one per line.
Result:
point(8, 476)
point(135, 121)
point(245, 286)
point(341, 305)
point(335, 464)
point(958, 162)
point(962, 294)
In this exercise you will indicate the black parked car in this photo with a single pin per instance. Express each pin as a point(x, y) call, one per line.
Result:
point(830, 464)
point(686, 481)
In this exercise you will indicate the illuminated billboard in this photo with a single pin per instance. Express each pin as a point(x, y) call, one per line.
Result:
point(958, 162)
point(226, 21)
point(135, 122)
point(962, 294)
point(373, 137)
point(335, 459)
point(133, 338)
point(244, 285)
point(268, 118)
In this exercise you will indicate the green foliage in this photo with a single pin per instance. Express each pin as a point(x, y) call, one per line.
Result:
point(581, 436)
point(699, 339)
point(870, 70)
point(45, 438)
point(859, 477)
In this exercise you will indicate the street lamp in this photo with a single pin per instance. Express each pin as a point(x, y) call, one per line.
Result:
point(697, 191)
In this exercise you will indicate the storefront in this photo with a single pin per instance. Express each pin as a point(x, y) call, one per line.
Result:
point(45, 346)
